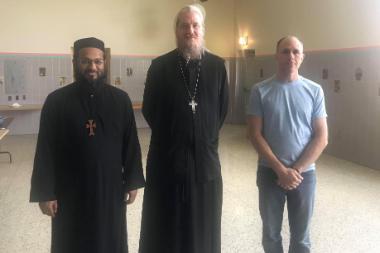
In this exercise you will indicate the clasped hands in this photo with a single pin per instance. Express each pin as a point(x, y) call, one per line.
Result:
point(289, 179)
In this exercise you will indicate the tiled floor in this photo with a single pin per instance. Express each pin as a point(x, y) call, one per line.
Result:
point(346, 220)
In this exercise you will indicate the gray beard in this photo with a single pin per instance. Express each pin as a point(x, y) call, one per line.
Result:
point(191, 53)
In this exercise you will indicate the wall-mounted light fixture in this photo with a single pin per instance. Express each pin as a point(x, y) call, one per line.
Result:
point(243, 41)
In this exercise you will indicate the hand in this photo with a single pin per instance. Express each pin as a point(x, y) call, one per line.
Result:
point(290, 179)
point(297, 168)
point(130, 197)
point(49, 208)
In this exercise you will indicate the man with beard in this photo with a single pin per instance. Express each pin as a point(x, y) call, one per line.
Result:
point(185, 104)
point(87, 164)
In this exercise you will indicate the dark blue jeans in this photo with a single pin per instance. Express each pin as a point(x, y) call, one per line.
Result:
point(300, 203)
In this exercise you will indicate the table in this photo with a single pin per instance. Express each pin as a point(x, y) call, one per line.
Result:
point(29, 107)
point(36, 107)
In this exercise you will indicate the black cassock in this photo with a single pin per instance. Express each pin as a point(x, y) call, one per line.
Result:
point(88, 155)
point(183, 194)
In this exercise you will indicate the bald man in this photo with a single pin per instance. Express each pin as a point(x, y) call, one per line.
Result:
point(287, 126)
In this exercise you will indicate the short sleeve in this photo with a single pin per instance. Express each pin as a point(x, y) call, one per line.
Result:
point(254, 103)
point(319, 110)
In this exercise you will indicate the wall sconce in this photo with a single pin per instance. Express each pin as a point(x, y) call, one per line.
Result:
point(243, 41)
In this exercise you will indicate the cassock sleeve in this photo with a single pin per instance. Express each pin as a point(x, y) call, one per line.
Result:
point(132, 166)
point(223, 96)
point(151, 94)
point(43, 176)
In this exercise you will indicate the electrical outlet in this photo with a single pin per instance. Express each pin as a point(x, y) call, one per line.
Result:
point(337, 87)
point(129, 71)
point(325, 74)
point(117, 80)
point(358, 74)
point(62, 80)
point(42, 71)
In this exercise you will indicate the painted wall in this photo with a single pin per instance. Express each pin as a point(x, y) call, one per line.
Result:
point(145, 28)
point(142, 28)
point(323, 24)
point(342, 39)
point(134, 27)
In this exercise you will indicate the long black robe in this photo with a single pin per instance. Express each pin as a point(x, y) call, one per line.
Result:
point(183, 194)
point(87, 174)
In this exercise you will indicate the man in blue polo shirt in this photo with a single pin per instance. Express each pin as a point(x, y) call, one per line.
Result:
point(287, 126)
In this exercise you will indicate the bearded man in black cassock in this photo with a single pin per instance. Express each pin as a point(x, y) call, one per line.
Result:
point(87, 164)
point(185, 104)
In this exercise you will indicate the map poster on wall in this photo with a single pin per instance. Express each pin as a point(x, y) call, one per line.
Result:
point(15, 76)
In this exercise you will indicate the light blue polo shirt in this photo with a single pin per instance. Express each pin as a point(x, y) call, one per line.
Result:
point(288, 110)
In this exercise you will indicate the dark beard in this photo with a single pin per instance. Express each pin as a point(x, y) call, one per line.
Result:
point(101, 80)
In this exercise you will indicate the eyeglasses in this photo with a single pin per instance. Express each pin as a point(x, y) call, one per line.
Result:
point(88, 62)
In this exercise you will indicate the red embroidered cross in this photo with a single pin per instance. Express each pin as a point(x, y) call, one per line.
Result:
point(91, 125)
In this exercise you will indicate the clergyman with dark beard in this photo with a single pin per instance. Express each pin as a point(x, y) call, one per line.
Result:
point(185, 104)
point(87, 165)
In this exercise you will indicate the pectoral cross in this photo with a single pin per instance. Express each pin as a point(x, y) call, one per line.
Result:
point(193, 104)
point(91, 125)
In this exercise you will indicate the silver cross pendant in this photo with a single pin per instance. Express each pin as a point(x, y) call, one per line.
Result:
point(193, 104)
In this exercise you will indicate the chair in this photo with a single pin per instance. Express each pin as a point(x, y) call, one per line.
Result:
point(3, 132)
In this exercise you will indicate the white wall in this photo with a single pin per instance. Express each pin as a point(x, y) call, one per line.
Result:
point(142, 27)
point(322, 24)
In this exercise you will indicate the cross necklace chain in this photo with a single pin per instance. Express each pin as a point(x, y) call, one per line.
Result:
point(192, 102)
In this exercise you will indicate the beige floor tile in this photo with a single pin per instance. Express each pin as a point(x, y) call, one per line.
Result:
point(347, 210)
